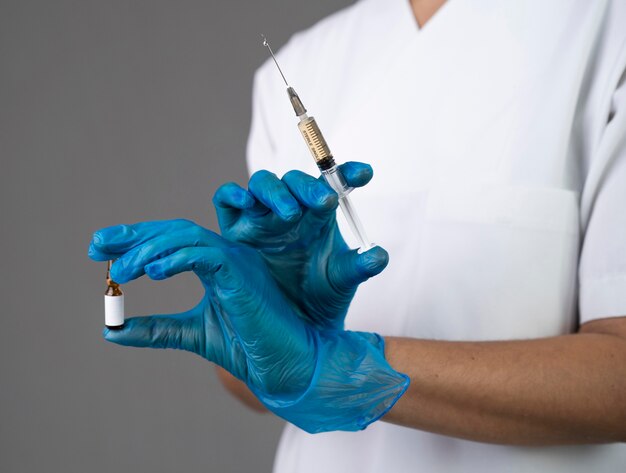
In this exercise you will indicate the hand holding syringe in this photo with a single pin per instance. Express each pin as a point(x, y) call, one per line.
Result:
point(324, 160)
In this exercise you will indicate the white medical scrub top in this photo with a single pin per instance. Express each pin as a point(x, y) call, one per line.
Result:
point(497, 134)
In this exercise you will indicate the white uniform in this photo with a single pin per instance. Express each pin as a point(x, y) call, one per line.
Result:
point(497, 134)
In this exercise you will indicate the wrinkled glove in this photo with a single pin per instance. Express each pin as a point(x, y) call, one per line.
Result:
point(292, 222)
point(318, 380)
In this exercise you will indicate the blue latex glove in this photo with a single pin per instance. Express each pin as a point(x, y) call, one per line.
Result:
point(292, 222)
point(318, 380)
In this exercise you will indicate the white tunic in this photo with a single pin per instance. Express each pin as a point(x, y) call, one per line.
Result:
point(497, 134)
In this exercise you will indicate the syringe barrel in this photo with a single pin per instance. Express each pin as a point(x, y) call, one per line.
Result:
point(322, 155)
point(314, 139)
point(355, 223)
point(336, 181)
point(326, 164)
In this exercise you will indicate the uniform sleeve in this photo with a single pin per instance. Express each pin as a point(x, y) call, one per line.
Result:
point(261, 147)
point(602, 269)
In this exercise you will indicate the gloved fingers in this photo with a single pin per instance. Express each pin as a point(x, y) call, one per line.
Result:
point(312, 193)
point(199, 260)
point(157, 331)
point(350, 269)
point(112, 242)
point(98, 255)
point(274, 194)
point(229, 200)
point(232, 196)
point(131, 265)
point(356, 174)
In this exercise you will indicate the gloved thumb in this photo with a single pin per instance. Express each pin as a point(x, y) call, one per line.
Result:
point(352, 268)
point(157, 331)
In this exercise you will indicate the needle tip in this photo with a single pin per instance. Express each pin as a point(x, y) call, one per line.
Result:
point(266, 44)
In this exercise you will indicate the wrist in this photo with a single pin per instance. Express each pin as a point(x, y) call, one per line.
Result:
point(351, 387)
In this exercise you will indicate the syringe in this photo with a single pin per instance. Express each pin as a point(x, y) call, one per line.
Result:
point(324, 160)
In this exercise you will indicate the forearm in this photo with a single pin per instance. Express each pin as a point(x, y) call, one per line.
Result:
point(562, 390)
point(239, 390)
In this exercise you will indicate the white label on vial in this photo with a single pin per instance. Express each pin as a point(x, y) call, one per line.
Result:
point(113, 310)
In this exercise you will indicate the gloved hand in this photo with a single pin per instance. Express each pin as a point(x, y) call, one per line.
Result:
point(243, 323)
point(292, 222)
point(318, 380)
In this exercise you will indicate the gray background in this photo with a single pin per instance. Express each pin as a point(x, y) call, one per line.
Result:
point(115, 112)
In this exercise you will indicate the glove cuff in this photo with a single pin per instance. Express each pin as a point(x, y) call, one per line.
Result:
point(352, 386)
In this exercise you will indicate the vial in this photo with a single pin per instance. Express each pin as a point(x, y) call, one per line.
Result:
point(113, 303)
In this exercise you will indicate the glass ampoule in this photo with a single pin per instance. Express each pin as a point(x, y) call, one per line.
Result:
point(113, 303)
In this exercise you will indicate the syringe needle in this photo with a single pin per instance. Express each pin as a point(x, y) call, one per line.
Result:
point(267, 44)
